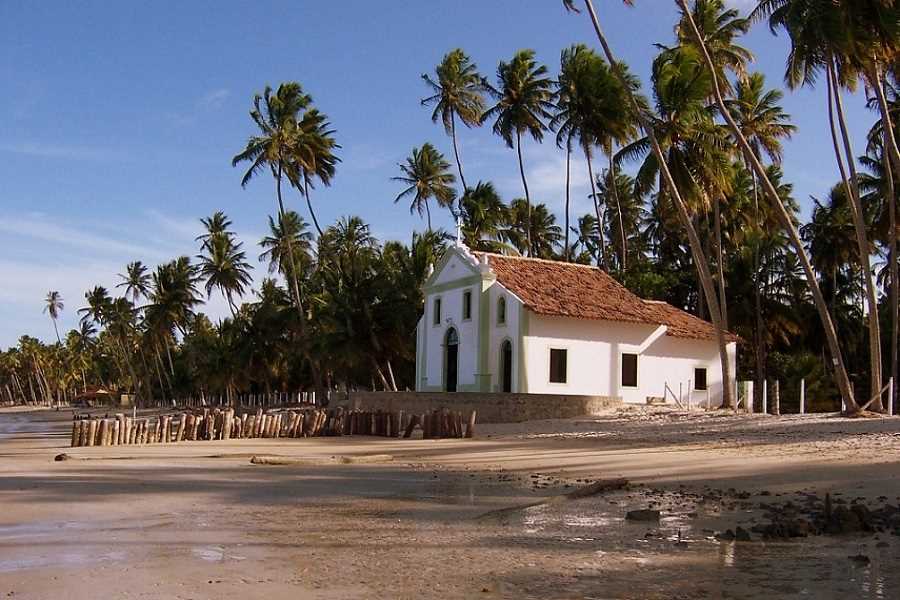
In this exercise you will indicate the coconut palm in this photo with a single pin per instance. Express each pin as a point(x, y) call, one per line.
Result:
point(426, 173)
point(458, 92)
point(276, 116)
point(312, 156)
point(217, 224)
point(784, 217)
point(136, 279)
point(720, 27)
point(536, 226)
point(764, 124)
point(643, 118)
point(53, 305)
point(289, 234)
point(484, 218)
point(224, 266)
point(524, 102)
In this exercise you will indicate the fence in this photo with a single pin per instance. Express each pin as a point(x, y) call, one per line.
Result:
point(773, 406)
point(216, 424)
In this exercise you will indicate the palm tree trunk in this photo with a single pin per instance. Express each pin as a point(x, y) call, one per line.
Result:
point(785, 220)
point(893, 267)
point(456, 152)
point(291, 262)
point(427, 214)
point(723, 301)
point(568, 189)
point(56, 329)
point(862, 242)
point(693, 239)
point(604, 261)
point(623, 259)
point(527, 195)
point(312, 213)
point(390, 369)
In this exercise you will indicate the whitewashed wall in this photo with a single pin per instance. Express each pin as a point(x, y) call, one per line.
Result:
point(594, 350)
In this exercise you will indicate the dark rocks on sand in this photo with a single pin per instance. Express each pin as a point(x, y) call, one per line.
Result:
point(642, 515)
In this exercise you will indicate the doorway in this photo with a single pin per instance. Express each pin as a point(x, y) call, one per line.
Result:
point(506, 366)
point(451, 362)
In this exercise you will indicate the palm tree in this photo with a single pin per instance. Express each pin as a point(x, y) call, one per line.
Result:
point(136, 279)
point(706, 279)
point(224, 266)
point(784, 217)
point(764, 124)
point(458, 92)
point(720, 27)
point(275, 115)
point(524, 101)
point(289, 234)
point(484, 218)
point(427, 175)
point(218, 224)
point(53, 305)
point(313, 155)
point(536, 227)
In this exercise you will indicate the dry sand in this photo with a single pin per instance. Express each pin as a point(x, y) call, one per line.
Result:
point(197, 520)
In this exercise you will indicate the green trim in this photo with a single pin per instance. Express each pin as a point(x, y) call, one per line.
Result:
point(446, 258)
point(524, 317)
point(483, 376)
point(452, 285)
point(424, 374)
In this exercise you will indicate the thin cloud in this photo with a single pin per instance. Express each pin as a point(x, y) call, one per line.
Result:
point(45, 230)
point(60, 150)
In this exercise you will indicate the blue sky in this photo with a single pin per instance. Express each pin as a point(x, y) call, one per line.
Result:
point(118, 121)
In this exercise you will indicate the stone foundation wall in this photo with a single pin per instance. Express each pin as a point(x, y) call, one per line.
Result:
point(491, 407)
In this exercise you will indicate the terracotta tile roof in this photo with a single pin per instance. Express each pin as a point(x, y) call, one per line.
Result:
point(579, 291)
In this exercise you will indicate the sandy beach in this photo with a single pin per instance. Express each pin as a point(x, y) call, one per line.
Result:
point(438, 518)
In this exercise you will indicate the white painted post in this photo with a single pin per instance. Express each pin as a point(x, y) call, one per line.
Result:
point(708, 401)
point(802, 396)
point(750, 389)
point(765, 399)
point(679, 394)
point(891, 397)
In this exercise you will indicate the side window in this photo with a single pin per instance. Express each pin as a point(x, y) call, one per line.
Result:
point(437, 311)
point(558, 359)
point(467, 305)
point(501, 311)
point(700, 379)
point(629, 370)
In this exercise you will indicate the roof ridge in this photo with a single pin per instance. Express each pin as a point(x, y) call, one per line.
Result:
point(543, 260)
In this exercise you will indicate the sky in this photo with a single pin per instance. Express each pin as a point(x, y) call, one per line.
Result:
point(118, 122)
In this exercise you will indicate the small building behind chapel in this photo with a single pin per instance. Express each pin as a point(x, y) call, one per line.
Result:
point(496, 323)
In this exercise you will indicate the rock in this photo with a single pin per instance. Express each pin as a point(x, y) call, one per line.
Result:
point(61, 457)
point(642, 515)
point(741, 534)
point(860, 560)
point(727, 536)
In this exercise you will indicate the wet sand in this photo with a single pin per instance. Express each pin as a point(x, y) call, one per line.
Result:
point(197, 520)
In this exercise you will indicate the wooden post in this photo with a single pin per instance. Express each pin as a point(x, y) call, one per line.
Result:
point(802, 396)
point(891, 396)
point(76, 432)
point(470, 428)
point(776, 398)
point(101, 432)
point(120, 437)
point(182, 422)
point(116, 432)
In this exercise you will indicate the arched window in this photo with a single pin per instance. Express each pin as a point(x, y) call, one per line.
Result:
point(501, 311)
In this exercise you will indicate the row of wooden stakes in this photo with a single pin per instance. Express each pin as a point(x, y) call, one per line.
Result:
point(224, 424)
